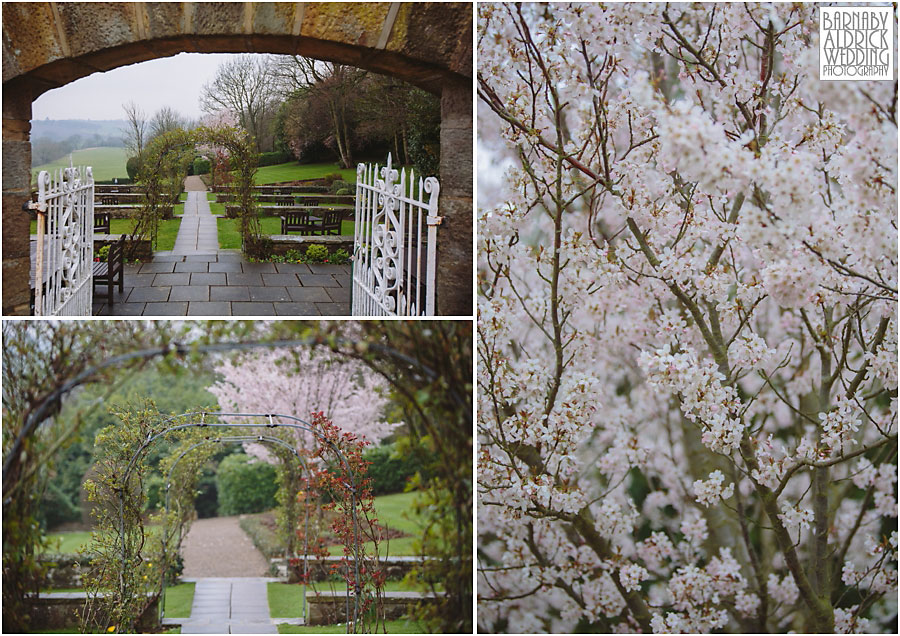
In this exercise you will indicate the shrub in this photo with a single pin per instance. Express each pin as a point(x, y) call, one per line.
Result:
point(332, 177)
point(272, 158)
point(339, 184)
point(316, 253)
point(132, 167)
point(390, 470)
point(245, 486)
point(103, 253)
point(339, 257)
point(201, 166)
point(343, 192)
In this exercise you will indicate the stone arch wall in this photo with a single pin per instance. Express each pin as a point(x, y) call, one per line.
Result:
point(47, 45)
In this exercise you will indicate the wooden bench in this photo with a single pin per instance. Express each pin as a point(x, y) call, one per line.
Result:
point(309, 225)
point(113, 270)
point(101, 223)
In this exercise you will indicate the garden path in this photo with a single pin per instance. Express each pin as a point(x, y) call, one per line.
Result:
point(218, 547)
point(197, 233)
point(229, 572)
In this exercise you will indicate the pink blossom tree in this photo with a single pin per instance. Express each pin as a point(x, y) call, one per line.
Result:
point(687, 324)
point(302, 382)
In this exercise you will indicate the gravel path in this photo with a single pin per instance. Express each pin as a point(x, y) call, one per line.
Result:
point(218, 547)
point(194, 184)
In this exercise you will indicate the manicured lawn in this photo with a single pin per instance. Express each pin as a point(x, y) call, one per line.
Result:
point(71, 542)
point(210, 196)
point(178, 210)
point(106, 163)
point(293, 171)
point(165, 239)
point(68, 542)
point(230, 229)
point(216, 208)
point(179, 599)
point(286, 599)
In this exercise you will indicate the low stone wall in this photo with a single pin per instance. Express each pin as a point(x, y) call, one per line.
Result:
point(274, 198)
point(166, 213)
point(63, 570)
point(60, 610)
point(328, 608)
point(322, 568)
point(282, 243)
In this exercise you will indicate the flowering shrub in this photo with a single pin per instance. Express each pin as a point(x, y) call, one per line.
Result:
point(687, 324)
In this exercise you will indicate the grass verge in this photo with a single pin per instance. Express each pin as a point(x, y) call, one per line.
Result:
point(286, 600)
point(179, 599)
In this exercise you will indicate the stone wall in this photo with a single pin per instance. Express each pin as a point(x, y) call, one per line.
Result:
point(328, 608)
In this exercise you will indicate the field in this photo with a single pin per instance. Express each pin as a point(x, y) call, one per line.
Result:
point(107, 163)
point(292, 171)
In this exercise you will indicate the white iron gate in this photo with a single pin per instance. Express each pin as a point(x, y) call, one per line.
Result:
point(64, 252)
point(395, 242)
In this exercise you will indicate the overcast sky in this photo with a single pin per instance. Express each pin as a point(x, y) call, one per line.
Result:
point(171, 81)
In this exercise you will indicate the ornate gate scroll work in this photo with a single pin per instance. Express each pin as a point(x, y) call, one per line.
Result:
point(65, 243)
point(394, 249)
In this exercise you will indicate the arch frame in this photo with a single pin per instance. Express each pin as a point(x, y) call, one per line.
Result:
point(235, 439)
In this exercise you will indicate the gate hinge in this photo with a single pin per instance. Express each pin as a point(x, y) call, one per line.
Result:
point(433, 220)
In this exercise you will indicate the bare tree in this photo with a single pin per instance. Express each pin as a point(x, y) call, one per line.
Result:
point(164, 120)
point(135, 134)
point(245, 86)
point(329, 90)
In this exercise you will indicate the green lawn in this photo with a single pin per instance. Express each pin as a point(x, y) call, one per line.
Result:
point(230, 233)
point(292, 171)
point(168, 230)
point(107, 163)
point(71, 542)
point(179, 599)
point(178, 210)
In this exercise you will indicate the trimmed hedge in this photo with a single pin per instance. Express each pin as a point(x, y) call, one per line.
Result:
point(201, 166)
point(273, 158)
point(245, 486)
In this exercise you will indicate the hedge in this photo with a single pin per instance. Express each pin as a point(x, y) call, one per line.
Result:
point(273, 158)
point(245, 486)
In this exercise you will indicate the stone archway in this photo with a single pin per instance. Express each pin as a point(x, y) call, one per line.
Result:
point(47, 45)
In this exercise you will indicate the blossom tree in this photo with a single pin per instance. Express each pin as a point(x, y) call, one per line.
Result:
point(302, 382)
point(687, 324)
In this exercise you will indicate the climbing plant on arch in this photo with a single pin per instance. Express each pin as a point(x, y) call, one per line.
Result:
point(129, 570)
point(167, 158)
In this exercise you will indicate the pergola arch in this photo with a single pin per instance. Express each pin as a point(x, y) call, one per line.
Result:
point(236, 439)
point(47, 45)
point(294, 423)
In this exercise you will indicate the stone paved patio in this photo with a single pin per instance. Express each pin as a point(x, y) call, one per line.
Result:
point(226, 284)
point(198, 279)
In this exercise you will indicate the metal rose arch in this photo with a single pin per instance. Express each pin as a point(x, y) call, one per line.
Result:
point(353, 597)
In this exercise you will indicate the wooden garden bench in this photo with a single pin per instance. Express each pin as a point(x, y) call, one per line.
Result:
point(101, 223)
point(113, 270)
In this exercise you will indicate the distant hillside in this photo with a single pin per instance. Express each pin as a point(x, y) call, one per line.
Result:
point(106, 163)
point(59, 129)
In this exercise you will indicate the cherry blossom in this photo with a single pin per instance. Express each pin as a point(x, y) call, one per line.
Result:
point(687, 415)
